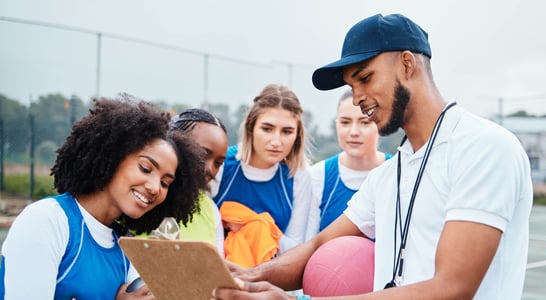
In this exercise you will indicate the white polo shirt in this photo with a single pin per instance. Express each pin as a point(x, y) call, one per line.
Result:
point(477, 171)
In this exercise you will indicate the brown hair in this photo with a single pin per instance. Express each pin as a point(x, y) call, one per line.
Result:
point(275, 96)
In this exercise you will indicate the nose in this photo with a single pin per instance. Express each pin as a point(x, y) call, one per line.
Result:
point(276, 138)
point(153, 185)
point(358, 97)
point(355, 130)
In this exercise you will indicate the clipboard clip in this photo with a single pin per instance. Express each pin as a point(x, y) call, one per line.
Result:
point(167, 230)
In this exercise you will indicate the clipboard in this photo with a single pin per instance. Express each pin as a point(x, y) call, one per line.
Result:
point(174, 269)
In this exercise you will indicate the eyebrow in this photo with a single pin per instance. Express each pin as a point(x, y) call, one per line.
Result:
point(349, 118)
point(272, 125)
point(154, 162)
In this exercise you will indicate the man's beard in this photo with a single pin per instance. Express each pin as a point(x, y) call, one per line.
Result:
point(401, 100)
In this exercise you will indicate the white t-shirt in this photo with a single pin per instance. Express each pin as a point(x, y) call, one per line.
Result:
point(478, 172)
point(297, 226)
point(45, 222)
point(351, 178)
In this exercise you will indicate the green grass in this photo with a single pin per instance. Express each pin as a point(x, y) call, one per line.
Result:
point(539, 199)
point(19, 185)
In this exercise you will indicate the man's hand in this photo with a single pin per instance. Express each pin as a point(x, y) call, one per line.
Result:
point(245, 274)
point(262, 290)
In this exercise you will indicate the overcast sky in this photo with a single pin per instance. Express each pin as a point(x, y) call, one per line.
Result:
point(481, 50)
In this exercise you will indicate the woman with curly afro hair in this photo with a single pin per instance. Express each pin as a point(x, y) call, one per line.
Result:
point(120, 167)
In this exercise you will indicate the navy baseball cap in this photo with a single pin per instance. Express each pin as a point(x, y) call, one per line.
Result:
point(368, 38)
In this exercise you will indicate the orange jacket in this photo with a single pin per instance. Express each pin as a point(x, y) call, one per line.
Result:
point(256, 241)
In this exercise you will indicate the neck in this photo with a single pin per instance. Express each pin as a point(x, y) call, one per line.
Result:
point(364, 163)
point(420, 118)
point(99, 207)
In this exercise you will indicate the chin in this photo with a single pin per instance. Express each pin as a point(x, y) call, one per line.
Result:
point(354, 152)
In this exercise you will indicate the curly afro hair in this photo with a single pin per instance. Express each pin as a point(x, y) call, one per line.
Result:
point(113, 129)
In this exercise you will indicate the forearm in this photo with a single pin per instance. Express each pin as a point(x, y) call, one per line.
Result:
point(286, 270)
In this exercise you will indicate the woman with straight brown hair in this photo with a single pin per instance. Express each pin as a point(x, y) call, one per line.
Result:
point(267, 171)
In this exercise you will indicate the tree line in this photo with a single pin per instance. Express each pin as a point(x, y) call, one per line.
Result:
point(43, 125)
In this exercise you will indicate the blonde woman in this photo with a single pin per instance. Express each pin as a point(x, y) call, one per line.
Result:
point(267, 170)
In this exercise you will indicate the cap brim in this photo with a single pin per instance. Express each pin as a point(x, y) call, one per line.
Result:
point(331, 75)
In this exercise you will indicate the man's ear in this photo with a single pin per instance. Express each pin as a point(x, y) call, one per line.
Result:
point(409, 62)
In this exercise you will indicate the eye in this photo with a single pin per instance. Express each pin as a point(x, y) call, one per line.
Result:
point(365, 78)
point(166, 182)
point(144, 169)
point(288, 131)
point(267, 129)
point(218, 163)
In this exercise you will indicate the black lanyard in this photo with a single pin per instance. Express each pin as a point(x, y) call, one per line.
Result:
point(398, 261)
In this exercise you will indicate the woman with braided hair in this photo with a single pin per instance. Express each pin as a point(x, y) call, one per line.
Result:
point(209, 132)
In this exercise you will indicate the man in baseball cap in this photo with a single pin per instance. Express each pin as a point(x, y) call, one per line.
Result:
point(368, 38)
point(449, 212)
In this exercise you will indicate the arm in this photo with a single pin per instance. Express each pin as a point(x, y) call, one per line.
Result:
point(460, 262)
point(317, 187)
point(33, 250)
point(286, 270)
point(297, 226)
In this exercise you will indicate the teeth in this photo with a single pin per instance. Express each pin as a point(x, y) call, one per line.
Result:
point(370, 112)
point(141, 197)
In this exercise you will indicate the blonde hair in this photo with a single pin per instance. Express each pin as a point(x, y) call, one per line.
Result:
point(275, 96)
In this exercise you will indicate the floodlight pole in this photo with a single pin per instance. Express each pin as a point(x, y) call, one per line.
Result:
point(31, 150)
point(500, 110)
point(97, 79)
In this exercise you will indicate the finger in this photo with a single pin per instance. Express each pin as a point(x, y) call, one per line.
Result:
point(225, 293)
point(240, 283)
point(232, 266)
point(257, 287)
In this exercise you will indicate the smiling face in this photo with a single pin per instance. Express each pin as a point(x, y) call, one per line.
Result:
point(356, 134)
point(142, 179)
point(214, 140)
point(273, 137)
point(378, 91)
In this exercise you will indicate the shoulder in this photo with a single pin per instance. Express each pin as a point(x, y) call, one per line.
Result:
point(302, 178)
point(317, 169)
point(47, 208)
point(472, 131)
point(44, 220)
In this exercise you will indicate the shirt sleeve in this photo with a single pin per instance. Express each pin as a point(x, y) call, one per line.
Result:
point(297, 226)
point(361, 210)
point(487, 185)
point(317, 187)
point(33, 250)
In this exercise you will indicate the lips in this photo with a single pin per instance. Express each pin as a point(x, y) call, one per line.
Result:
point(354, 143)
point(368, 111)
point(142, 198)
point(275, 152)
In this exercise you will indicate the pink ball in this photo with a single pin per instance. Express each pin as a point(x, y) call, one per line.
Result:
point(342, 266)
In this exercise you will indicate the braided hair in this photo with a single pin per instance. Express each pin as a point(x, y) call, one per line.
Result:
point(186, 120)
